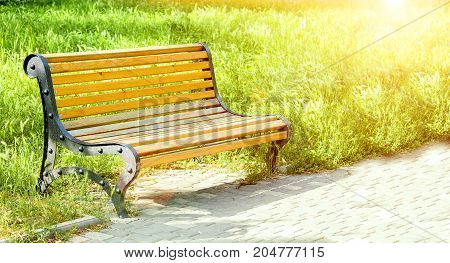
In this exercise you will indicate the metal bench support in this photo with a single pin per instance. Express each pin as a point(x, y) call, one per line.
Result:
point(36, 67)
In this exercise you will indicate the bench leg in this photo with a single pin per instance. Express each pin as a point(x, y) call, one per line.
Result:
point(48, 160)
point(48, 172)
point(116, 197)
point(126, 177)
point(117, 194)
point(276, 147)
point(272, 156)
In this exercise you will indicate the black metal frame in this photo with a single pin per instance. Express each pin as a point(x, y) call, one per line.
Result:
point(36, 66)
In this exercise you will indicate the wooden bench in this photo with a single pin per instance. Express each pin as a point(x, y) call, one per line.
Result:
point(151, 106)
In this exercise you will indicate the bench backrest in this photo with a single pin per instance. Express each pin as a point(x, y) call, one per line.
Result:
point(100, 87)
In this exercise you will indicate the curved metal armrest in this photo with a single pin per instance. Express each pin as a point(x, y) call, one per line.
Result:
point(36, 66)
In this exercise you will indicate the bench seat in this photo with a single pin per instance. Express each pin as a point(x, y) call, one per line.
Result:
point(185, 130)
point(150, 106)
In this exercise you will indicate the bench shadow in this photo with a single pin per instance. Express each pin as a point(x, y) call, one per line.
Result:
point(249, 196)
point(213, 214)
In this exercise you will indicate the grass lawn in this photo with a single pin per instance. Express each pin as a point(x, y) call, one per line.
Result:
point(270, 57)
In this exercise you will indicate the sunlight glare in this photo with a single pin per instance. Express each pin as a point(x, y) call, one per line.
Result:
point(394, 4)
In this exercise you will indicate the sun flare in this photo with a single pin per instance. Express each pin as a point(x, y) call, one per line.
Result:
point(395, 4)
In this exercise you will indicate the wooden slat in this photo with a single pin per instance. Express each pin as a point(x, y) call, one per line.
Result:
point(123, 84)
point(119, 53)
point(152, 128)
point(108, 75)
point(161, 129)
point(134, 104)
point(125, 62)
point(211, 149)
point(146, 121)
point(159, 147)
point(194, 131)
point(130, 94)
point(138, 114)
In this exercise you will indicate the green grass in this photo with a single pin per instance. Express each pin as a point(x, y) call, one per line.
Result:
point(268, 58)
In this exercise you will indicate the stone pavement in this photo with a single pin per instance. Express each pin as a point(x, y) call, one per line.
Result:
point(405, 198)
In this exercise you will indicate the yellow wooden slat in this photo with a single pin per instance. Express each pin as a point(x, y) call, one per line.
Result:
point(208, 138)
point(108, 75)
point(138, 114)
point(146, 121)
point(211, 149)
point(153, 128)
point(125, 62)
point(132, 133)
point(130, 83)
point(165, 127)
point(130, 94)
point(134, 104)
point(119, 53)
point(195, 131)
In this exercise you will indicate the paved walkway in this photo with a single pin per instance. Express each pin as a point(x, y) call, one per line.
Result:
point(405, 198)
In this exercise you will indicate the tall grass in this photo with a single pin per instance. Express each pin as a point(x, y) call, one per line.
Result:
point(269, 58)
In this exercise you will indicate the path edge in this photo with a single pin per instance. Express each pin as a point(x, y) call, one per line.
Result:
point(78, 224)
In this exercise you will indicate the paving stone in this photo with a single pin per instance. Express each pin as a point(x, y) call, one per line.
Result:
point(78, 239)
point(95, 241)
point(116, 240)
point(96, 236)
point(405, 198)
point(123, 220)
